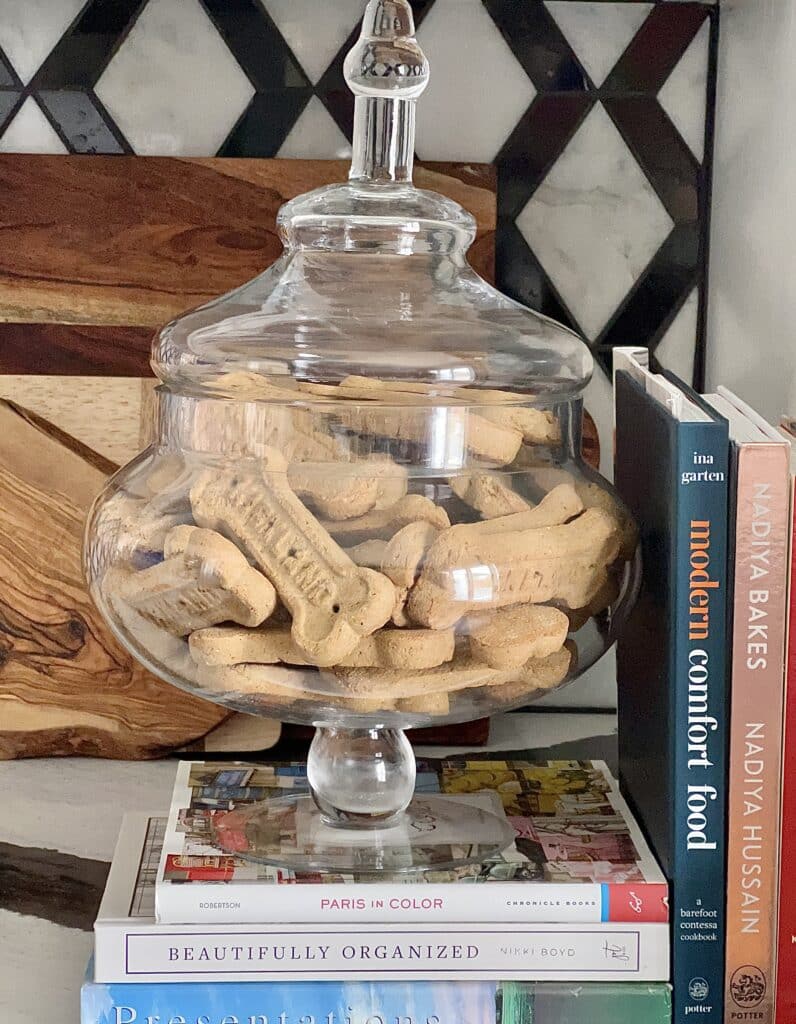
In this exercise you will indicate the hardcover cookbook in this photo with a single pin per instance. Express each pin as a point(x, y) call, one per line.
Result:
point(672, 662)
point(577, 854)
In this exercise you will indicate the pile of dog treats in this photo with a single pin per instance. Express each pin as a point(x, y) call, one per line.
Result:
point(295, 578)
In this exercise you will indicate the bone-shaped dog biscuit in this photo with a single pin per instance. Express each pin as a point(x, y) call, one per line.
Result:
point(605, 595)
point(399, 416)
point(334, 603)
point(386, 648)
point(369, 553)
point(403, 553)
point(160, 646)
point(466, 430)
point(488, 494)
point(377, 472)
point(464, 572)
point(382, 524)
point(338, 492)
point(537, 674)
point(459, 674)
point(536, 426)
point(462, 673)
point(405, 649)
point(246, 384)
point(556, 508)
point(509, 637)
point(347, 490)
point(436, 704)
point(279, 687)
point(392, 480)
point(203, 580)
point(593, 495)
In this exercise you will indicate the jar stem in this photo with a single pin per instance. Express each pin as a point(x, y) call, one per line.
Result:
point(361, 778)
point(384, 139)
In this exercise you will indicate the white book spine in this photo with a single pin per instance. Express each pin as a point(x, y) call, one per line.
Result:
point(143, 952)
point(501, 902)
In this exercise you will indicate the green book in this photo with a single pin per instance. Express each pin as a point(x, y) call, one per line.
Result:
point(557, 1003)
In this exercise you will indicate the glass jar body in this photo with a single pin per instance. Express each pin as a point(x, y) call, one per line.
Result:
point(338, 560)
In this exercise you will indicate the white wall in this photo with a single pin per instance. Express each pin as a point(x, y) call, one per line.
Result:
point(752, 297)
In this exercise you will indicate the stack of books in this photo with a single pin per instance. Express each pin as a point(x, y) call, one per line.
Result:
point(704, 702)
point(570, 924)
point(576, 923)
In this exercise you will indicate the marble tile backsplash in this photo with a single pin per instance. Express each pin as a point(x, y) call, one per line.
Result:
point(593, 110)
point(597, 114)
point(752, 281)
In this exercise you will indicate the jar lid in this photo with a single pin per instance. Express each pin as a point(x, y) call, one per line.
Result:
point(373, 281)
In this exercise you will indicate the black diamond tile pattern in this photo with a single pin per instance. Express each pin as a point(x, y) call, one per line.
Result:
point(9, 103)
point(65, 86)
point(82, 122)
point(8, 77)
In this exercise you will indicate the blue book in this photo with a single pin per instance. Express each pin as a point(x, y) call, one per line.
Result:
point(672, 453)
point(360, 1002)
point(298, 1002)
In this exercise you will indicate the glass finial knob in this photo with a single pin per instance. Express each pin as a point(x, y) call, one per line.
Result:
point(386, 59)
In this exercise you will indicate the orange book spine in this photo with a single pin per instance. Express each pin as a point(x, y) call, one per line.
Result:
point(786, 956)
point(762, 516)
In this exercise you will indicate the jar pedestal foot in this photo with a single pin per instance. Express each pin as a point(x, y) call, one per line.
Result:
point(362, 814)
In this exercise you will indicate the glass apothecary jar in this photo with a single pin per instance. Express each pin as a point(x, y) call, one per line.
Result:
point(364, 507)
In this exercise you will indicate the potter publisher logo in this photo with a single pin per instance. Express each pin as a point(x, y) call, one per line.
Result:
point(698, 989)
point(748, 987)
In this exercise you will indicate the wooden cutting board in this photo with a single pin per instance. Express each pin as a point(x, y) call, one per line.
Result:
point(66, 686)
point(98, 252)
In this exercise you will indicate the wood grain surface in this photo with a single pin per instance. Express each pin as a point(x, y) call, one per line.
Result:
point(104, 413)
point(75, 349)
point(66, 686)
point(99, 252)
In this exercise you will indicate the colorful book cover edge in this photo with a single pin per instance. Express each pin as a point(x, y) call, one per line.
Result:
point(786, 959)
point(640, 898)
point(760, 498)
point(374, 1003)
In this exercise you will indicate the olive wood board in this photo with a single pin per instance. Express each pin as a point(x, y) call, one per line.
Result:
point(66, 685)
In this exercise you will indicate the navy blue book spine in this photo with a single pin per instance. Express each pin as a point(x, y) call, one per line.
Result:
point(699, 723)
